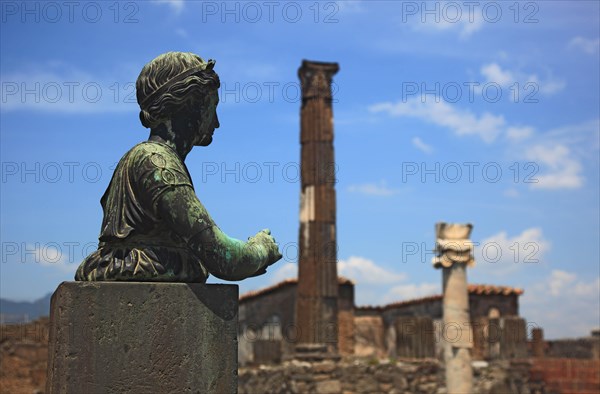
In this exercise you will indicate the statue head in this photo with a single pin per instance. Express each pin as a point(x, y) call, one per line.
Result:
point(179, 89)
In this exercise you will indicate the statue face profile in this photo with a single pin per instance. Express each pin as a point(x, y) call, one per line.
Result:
point(207, 121)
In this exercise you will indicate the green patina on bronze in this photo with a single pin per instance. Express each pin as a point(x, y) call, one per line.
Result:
point(154, 227)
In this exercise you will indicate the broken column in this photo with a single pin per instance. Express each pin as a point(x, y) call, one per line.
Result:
point(142, 337)
point(317, 298)
point(537, 342)
point(454, 253)
point(513, 338)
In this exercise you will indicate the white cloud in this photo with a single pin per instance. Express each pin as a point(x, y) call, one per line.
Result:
point(563, 304)
point(469, 27)
point(376, 285)
point(558, 154)
point(586, 133)
point(373, 189)
point(420, 145)
point(587, 45)
point(564, 171)
point(60, 88)
point(502, 255)
point(364, 271)
point(285, 271)
point(50, 256)
point(548, 86)
point(512, 192)
point(494, 73)
point(461, 122)
point(520, 85)
point(589, 289)
point(176, 5)
point(446, 16)
point(559, 281)
point(411, 291)
point(519, 133)
point(353, 7)
point(361, 270)
point(373, 282)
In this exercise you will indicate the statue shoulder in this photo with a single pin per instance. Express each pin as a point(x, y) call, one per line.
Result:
point(147, 148)
point(152, 154)
point(157, 165)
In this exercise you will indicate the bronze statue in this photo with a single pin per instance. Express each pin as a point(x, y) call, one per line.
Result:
point(154, 227)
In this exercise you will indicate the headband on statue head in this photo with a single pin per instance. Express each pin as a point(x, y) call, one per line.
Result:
point(179, 77)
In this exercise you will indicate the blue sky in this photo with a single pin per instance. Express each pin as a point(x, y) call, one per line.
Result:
point(484, 112)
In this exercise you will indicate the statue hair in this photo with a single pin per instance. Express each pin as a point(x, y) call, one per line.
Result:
point(181, 94)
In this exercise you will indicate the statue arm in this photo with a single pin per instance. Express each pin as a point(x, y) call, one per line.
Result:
point(225, 257)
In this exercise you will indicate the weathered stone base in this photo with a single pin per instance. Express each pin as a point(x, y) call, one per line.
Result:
point(110, 337)
point(373, 376)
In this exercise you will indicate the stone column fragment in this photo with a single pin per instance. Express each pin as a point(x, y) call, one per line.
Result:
point(454, 253)
point(537, 342)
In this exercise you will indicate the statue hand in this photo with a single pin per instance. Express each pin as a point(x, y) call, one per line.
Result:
point(265, 239)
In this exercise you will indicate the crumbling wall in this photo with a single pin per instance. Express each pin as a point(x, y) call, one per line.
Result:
point(23, 357)
point(370, 375)
point(564, 375)
point(346, 319)
point(269, 317)
point(581, 348)
point(369, 336)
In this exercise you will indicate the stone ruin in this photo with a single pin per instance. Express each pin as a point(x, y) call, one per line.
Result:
point(469, 339)
point(315, 317)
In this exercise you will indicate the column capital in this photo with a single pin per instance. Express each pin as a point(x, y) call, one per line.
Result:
point(453, 245)
point(315, 79)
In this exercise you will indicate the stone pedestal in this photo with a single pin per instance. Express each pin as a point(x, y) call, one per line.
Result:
point(134, 337)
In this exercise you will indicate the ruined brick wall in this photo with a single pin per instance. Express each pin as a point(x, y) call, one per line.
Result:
point(346, 319)
point(581, 348)
point(563, 375)
point(432, 309)
point(23, 357)
point(423, 337)
point(479, 305)
point(345, 332)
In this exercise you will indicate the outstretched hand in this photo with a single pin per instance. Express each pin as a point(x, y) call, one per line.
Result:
point(265, 239)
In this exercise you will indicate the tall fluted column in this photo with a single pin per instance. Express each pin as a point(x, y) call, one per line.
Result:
point(454, 254)
point(316, 305)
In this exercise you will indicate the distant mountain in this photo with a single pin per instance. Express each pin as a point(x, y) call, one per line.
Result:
point(24, 311)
